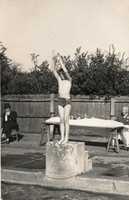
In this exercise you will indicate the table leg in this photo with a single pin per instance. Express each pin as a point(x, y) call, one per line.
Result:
point(45, 133)
point(109, 142)
point(51, 132)
point(113, 136)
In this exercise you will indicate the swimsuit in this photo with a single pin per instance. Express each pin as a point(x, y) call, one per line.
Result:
point(63, 101)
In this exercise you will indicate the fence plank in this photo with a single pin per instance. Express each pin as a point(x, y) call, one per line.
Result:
point(33, 109)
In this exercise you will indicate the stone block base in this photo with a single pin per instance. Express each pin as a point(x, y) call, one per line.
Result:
point(87, 162)
point(66, 161)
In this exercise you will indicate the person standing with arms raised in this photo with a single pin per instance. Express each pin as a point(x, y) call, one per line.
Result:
point(64, 101)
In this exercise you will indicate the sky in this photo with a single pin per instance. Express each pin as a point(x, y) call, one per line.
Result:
point(40, 26)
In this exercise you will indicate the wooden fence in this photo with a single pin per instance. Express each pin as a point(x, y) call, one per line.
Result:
point(33, 109)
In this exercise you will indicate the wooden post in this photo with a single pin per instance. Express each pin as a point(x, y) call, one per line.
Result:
point(52, 113)
point(112, 108)
point(43, 134)
point(52, 105)
point(45, 130)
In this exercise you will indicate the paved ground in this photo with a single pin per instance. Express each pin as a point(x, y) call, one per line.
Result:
point(28, 155)
point(25, 192)
point(103, 167)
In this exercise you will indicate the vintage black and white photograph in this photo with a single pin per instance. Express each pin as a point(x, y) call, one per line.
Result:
point(64, 99)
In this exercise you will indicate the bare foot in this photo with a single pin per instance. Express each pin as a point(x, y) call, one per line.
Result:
point(65, 141)
point(60, 141)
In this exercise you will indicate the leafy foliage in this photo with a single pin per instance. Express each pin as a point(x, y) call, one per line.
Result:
point(101, 73)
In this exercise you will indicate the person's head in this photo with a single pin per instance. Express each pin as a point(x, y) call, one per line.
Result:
point(125, 110)
point(7, 107)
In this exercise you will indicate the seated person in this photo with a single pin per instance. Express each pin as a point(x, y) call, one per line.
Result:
point(124, 132)
point(9, 122)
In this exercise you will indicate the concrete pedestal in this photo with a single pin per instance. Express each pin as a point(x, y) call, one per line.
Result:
point(65, 161)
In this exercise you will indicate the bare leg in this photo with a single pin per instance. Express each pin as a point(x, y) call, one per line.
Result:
point(66, 117)
point(62, 127)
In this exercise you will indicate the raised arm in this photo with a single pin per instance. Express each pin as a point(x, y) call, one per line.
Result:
point(64, 68)
point(53, 69)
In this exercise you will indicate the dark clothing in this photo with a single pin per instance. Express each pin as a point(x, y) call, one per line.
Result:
point(10, 124)
point(124, 120)
point(63, 102)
